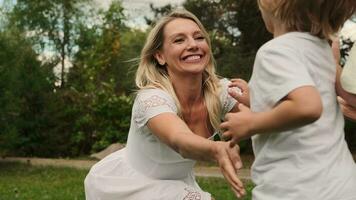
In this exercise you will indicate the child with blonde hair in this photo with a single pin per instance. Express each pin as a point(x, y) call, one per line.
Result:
point(295, 121)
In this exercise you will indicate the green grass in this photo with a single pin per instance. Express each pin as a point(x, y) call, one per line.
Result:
point(220, 189)
point(26, 182)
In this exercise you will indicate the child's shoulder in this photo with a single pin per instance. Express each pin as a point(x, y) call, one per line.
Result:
point(289, 42)
point(287, 39)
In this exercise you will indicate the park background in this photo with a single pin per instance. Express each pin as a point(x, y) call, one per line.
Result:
point(67, 68)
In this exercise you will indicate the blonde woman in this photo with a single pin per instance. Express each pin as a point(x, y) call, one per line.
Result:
point(176, 113)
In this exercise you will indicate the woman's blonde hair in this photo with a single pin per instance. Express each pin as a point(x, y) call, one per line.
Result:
point(322, 18)
point(150, 74)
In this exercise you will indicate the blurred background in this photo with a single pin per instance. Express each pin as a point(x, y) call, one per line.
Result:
point(67, 67)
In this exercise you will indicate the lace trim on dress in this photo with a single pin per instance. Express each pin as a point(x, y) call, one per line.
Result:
point(155, 101)
point(225, 100)
point(145, 104)
point(192, 195)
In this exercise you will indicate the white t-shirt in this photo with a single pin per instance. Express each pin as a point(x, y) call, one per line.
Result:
point(312, 162)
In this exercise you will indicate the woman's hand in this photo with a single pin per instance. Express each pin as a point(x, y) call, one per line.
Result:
point(243, 96)
point(229, 162)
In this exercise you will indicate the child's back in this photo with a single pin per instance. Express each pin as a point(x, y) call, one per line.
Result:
point(313, 161)
point(296, 124)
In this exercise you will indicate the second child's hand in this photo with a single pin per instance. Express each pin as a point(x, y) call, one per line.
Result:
point(243, 96)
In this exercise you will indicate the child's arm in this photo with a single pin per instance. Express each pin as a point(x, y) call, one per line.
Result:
point(349, 111)
point(348, 97)
point(300, 107)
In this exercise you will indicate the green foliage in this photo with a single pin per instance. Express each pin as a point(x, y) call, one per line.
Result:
point(106, 52)
point(90, 113)
point(100, 80)
point(24, 85)
point(52, 26)
point(104, 120)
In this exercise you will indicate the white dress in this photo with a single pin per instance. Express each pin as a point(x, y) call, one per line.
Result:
point(147, 169)
point(348, 75)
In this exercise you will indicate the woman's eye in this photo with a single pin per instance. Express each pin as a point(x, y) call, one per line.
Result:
point(200, 38)
point(178, 40)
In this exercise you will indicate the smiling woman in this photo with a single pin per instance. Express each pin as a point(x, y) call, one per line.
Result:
point(185, 50)
point(175, 116)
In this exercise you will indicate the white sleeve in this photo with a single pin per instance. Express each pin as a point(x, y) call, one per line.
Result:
point(150, 103)
point(277, 71)
point(227, 102)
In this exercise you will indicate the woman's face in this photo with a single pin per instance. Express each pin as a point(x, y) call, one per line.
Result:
point(185, 50)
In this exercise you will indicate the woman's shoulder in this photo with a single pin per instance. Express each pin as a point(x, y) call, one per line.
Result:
point(149, 92)
point(154, 97)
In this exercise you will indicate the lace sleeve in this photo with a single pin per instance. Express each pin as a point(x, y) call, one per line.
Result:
point(227, 102)
point(150, 103)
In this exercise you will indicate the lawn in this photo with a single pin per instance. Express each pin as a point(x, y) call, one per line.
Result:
point(26, 182)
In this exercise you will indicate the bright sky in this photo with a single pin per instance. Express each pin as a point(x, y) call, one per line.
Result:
point(136, 10)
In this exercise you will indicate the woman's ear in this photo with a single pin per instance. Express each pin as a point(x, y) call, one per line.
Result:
point(160, 58)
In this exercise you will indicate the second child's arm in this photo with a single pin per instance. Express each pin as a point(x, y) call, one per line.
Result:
point(300, 107)
point(348, 97)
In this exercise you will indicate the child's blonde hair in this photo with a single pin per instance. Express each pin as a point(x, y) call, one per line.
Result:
point(150, 74)
point(322, 18)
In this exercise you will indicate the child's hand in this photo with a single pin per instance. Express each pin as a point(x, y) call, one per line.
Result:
point(237, 126)
point(244, 95)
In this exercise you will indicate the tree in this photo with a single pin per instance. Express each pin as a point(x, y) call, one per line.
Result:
point(52, 26)
point(101, 79)
point(26, 87)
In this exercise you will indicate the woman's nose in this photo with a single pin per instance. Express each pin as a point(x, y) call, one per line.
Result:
point(192, 44)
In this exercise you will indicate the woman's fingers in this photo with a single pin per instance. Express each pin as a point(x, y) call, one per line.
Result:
point(235, 157)
point(235, 183)
point(230, 175)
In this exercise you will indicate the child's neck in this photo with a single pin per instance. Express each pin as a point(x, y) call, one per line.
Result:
point(279, 29)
